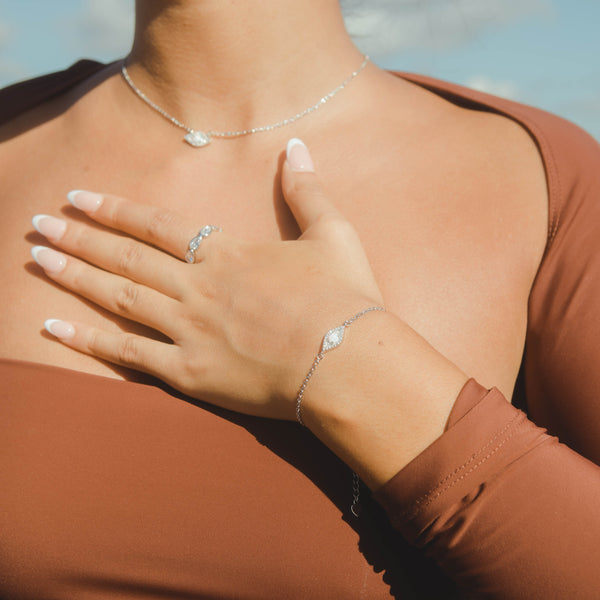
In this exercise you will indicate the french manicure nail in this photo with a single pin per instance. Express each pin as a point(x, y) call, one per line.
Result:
point(298, 156)
point(63, 330)
point(50, 227)
point(49, 260)
point(85, 201)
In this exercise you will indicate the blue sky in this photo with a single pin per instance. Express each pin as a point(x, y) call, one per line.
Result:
point(541, 52)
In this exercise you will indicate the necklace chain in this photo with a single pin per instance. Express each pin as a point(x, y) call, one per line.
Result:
point(198, 138)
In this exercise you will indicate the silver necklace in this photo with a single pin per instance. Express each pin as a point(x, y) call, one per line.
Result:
point(198, 139)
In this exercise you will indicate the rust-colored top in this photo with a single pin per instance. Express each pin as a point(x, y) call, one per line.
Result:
point(114, 489)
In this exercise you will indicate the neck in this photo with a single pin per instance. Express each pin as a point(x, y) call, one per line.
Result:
point(231, 64)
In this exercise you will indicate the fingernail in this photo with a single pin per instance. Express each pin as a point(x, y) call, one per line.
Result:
point(86, 201)
point(298, 156)
point(49, 260)
point(50, 227)
point(63, 330)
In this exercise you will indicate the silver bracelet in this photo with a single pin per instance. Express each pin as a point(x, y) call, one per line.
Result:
point(333, 338)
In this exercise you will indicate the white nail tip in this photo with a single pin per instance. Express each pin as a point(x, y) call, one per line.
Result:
point(71, 196)
point(35, 222)
point(48, 323)
point(293, 142)
point(35, 251)
point(63, 330)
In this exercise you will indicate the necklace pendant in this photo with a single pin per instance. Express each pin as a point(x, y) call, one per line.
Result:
point(197, 139)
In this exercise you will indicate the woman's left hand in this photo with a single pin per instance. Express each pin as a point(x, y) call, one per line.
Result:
point(245, 320)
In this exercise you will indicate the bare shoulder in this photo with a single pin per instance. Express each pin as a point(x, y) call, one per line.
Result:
point(507, 169)
point(459, 196)
point(483, 168)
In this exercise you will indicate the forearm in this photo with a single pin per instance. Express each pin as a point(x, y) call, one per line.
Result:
point(381, 398)
point(486, 496)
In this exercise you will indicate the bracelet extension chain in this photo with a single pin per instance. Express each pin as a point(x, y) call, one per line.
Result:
point(333, 338)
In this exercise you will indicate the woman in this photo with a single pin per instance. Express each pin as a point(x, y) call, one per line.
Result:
point(473, 246)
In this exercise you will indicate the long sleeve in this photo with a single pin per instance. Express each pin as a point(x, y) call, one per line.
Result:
point(507, 503)
point(504, 508)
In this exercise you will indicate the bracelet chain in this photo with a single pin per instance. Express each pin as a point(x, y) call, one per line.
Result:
point(332, 339)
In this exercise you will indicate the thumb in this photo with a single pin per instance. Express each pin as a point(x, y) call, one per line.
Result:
point(301, 188)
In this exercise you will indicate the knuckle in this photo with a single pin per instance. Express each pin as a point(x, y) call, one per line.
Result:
point(111, 212)
point(207, 289)
point(342, 226)
point(192, 373)
point(230, 252)
point(129, 256)
point(78, 239)
point(314, 270)
point(127, 297)
point(92, 342)
point(187, 372)
point(306, 185)
point(128, 351)
point(160, 220)
point(337, 226)
point(73, 276)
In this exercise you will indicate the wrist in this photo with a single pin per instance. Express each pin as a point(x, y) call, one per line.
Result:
point(332, 339)
point(381, 397)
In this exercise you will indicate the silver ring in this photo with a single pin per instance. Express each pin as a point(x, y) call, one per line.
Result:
point(190, 255)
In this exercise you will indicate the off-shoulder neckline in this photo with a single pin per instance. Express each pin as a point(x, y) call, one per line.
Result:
point(54, 84)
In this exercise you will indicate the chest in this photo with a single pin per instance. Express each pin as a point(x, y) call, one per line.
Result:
point(444, 259)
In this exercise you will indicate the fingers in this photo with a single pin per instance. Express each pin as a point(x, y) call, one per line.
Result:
point(302, 190)
point(128, 350)
point(117, 254)
point(114, 293)
point(317, 217)
point(158, 226)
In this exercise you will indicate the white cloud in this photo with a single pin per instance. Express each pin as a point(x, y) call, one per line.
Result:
point(10, 70)
point(381, 27)
point(105, 27)
point(506, 89)
point(584, 110)
point(6, 34)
